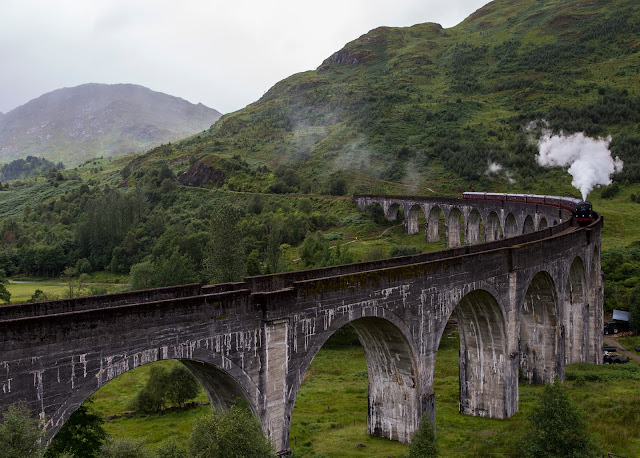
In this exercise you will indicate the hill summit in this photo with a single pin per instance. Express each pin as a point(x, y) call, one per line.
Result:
point(79, 123)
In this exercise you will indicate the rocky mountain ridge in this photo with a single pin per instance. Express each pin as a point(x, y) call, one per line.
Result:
point(75, 124)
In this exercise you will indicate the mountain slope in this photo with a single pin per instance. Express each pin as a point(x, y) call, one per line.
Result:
point(424, 104)
point(91, 120)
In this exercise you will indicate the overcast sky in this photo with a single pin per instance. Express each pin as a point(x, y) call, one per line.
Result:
point(225, 54)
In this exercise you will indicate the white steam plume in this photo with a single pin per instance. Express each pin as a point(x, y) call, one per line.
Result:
point(589, 160)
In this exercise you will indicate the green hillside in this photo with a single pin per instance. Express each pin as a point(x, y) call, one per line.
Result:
point(428, 107)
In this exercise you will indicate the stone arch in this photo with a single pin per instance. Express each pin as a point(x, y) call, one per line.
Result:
point(539, 336)
point(413, 219)
point(543, 224)
point(529, 225)
point(453, 228)
point(510, 226)
point(492, 228)
point(576, 313)
point(473, 229)
point(485, 370)
point(392, 211)
point(394, 397)
point(222, 386)
point(433, 224)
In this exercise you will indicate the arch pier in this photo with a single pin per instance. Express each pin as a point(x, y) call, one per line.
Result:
point(526, 304)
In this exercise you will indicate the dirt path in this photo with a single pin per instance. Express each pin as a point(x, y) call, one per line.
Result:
point(609, 340)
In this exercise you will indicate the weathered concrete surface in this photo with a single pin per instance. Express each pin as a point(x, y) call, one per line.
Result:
point(529, 303)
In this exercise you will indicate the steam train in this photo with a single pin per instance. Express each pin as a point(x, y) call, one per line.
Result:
point(583, 213)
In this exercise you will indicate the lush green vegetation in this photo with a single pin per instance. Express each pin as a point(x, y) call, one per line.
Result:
point(29, 167)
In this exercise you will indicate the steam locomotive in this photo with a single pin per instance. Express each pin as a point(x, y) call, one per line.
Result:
point(583, 213)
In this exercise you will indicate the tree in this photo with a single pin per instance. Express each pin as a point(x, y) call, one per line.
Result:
point(337, 185)
point(273, 253)
point(176, 386)
point(634, 309)
point(181, 385)
point(217, 435)
point(5, 295)
point(423, 442)
point(141, 275)
point(151, 398)
point(224, 260)
point(69, 277)
point(558, 429)
point(82, 435)
point(20, 435)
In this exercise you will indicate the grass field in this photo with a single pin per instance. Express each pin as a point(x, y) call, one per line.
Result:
point(330, 415)
point(22, 292)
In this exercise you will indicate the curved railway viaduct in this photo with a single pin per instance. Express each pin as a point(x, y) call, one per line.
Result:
point(528, 300)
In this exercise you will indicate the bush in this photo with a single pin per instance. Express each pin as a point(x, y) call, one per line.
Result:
point(176, 386)
point(123, 448)
point(20, 435)
point(170, 449)
point(423, 441)
point(403, 250)
point(229, 434)
point(610, 191)
point(558, 429)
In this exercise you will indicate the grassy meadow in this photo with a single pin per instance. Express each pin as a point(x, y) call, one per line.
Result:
point(22, 292)
point(330, 415)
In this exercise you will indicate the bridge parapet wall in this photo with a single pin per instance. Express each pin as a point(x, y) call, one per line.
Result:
point(101, 301)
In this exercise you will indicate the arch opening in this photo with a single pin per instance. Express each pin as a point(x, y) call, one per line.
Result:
point(539, 335)
point(394, 212)
point(543, 224)
point(474, 222)
point(415, 219)
point(510, 226)
point(576, 313)
point(529, 225)
point(484, 366)
point(383, 386)
point(114, 400)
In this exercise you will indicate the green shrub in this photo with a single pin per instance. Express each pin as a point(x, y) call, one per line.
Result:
point(557, 428)
point(123, 448)
point(403, 250)
point(424, 442)
point(176, 386)
point(232, 433)
point(20, 434)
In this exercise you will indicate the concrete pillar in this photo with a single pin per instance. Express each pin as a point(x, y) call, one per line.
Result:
point(394, 403)
point(487, 386)
point(275, 422)
point(433, 225)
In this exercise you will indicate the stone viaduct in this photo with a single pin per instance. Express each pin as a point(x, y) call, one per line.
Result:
point(528, 300)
